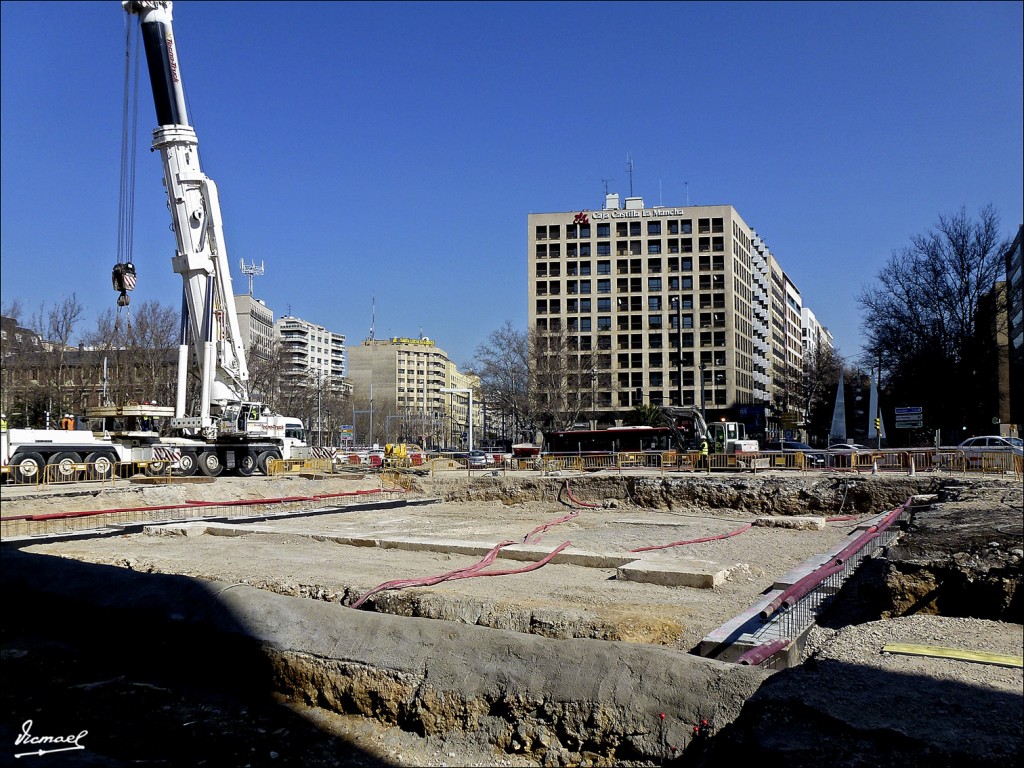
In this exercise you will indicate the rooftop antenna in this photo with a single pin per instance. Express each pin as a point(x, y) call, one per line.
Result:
point(687, 193)
point(373, 315)
point(606, 186)
point(251, 271)
point(629, 170)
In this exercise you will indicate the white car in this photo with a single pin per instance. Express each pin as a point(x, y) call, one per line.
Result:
point(995, 449)
point(842, 454)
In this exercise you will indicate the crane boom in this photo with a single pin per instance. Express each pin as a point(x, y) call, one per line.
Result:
point(210, 326)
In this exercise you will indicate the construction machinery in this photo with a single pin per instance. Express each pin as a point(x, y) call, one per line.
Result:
point(228, 430)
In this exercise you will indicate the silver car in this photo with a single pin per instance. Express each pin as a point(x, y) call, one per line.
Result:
point(993, 451)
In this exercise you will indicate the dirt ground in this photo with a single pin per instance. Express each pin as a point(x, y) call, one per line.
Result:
point(302, 556)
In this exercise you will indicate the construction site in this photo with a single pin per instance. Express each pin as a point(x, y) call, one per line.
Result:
point(630, 617)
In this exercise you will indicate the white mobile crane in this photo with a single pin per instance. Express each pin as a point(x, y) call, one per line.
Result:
point(230, 431)
point(234, 432)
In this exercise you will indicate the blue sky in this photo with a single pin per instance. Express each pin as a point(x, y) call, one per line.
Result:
point(391, 152)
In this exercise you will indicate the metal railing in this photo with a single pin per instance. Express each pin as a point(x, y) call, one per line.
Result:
point(59, 523)
point(796, 608)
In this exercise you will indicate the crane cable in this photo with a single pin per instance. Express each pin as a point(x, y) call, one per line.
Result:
point(124, 269)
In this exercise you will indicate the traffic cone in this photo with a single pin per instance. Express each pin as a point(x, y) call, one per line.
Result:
point(913, 470)
point(874, 468)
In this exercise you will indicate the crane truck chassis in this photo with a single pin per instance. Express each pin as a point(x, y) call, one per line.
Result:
point(127, 437)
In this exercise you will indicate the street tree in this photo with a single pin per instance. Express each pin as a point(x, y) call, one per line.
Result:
point(822, 368)
point(503, 365)
point(921, 320)
point(561, 378)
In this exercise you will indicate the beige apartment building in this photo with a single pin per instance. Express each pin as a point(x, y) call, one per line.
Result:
point(415, 392)
point(664, 305)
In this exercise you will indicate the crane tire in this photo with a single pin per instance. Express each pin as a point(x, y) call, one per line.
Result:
point(246, 464)
point(187, 464)
point(210, 464)
point(28, 467)
point(65, 463)
point(263, 459)
point(101, 466)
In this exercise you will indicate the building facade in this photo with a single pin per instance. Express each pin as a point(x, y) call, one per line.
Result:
point(256, 324)
point(310, 353)
point(413, 393)
point(665, 306)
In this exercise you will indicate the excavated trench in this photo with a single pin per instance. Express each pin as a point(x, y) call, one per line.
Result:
point(958, 557)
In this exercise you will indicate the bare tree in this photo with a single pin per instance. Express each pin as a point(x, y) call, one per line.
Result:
point(560, 378)
point(57, 324)
point(503, 365)
point(822, 369)
point(921, 318)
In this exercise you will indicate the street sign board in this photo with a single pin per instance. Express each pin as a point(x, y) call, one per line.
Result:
point(908, 424)
point(909, 409)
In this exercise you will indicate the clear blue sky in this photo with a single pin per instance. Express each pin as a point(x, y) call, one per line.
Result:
point(394, 150)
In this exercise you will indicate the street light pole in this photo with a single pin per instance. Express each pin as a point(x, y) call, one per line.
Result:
point(593, 394)
point(703, 401)
point(679, 346)
point(469, 418)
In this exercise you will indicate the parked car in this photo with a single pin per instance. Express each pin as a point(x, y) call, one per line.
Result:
point(996, 449)
point(478, 459)
point(841, 454)
point(848, 448)
point(473, 458)
point(812, 456)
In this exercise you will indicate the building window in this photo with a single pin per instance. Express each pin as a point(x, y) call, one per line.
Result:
point(604, 230)
point(604, 324)
point(653, 227)
point(604, 267)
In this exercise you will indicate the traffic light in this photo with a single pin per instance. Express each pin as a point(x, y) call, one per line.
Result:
point(878, 424)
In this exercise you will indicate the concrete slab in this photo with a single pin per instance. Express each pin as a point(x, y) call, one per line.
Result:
point(701, 574)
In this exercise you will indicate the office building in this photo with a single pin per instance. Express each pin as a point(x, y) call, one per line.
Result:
point(664, 305)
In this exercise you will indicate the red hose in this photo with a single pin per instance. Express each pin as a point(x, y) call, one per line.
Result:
point(463, 573)
point(759, 653)
point(836, 564)
point(542, 528)
point(738, 531)
point(574, 500)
